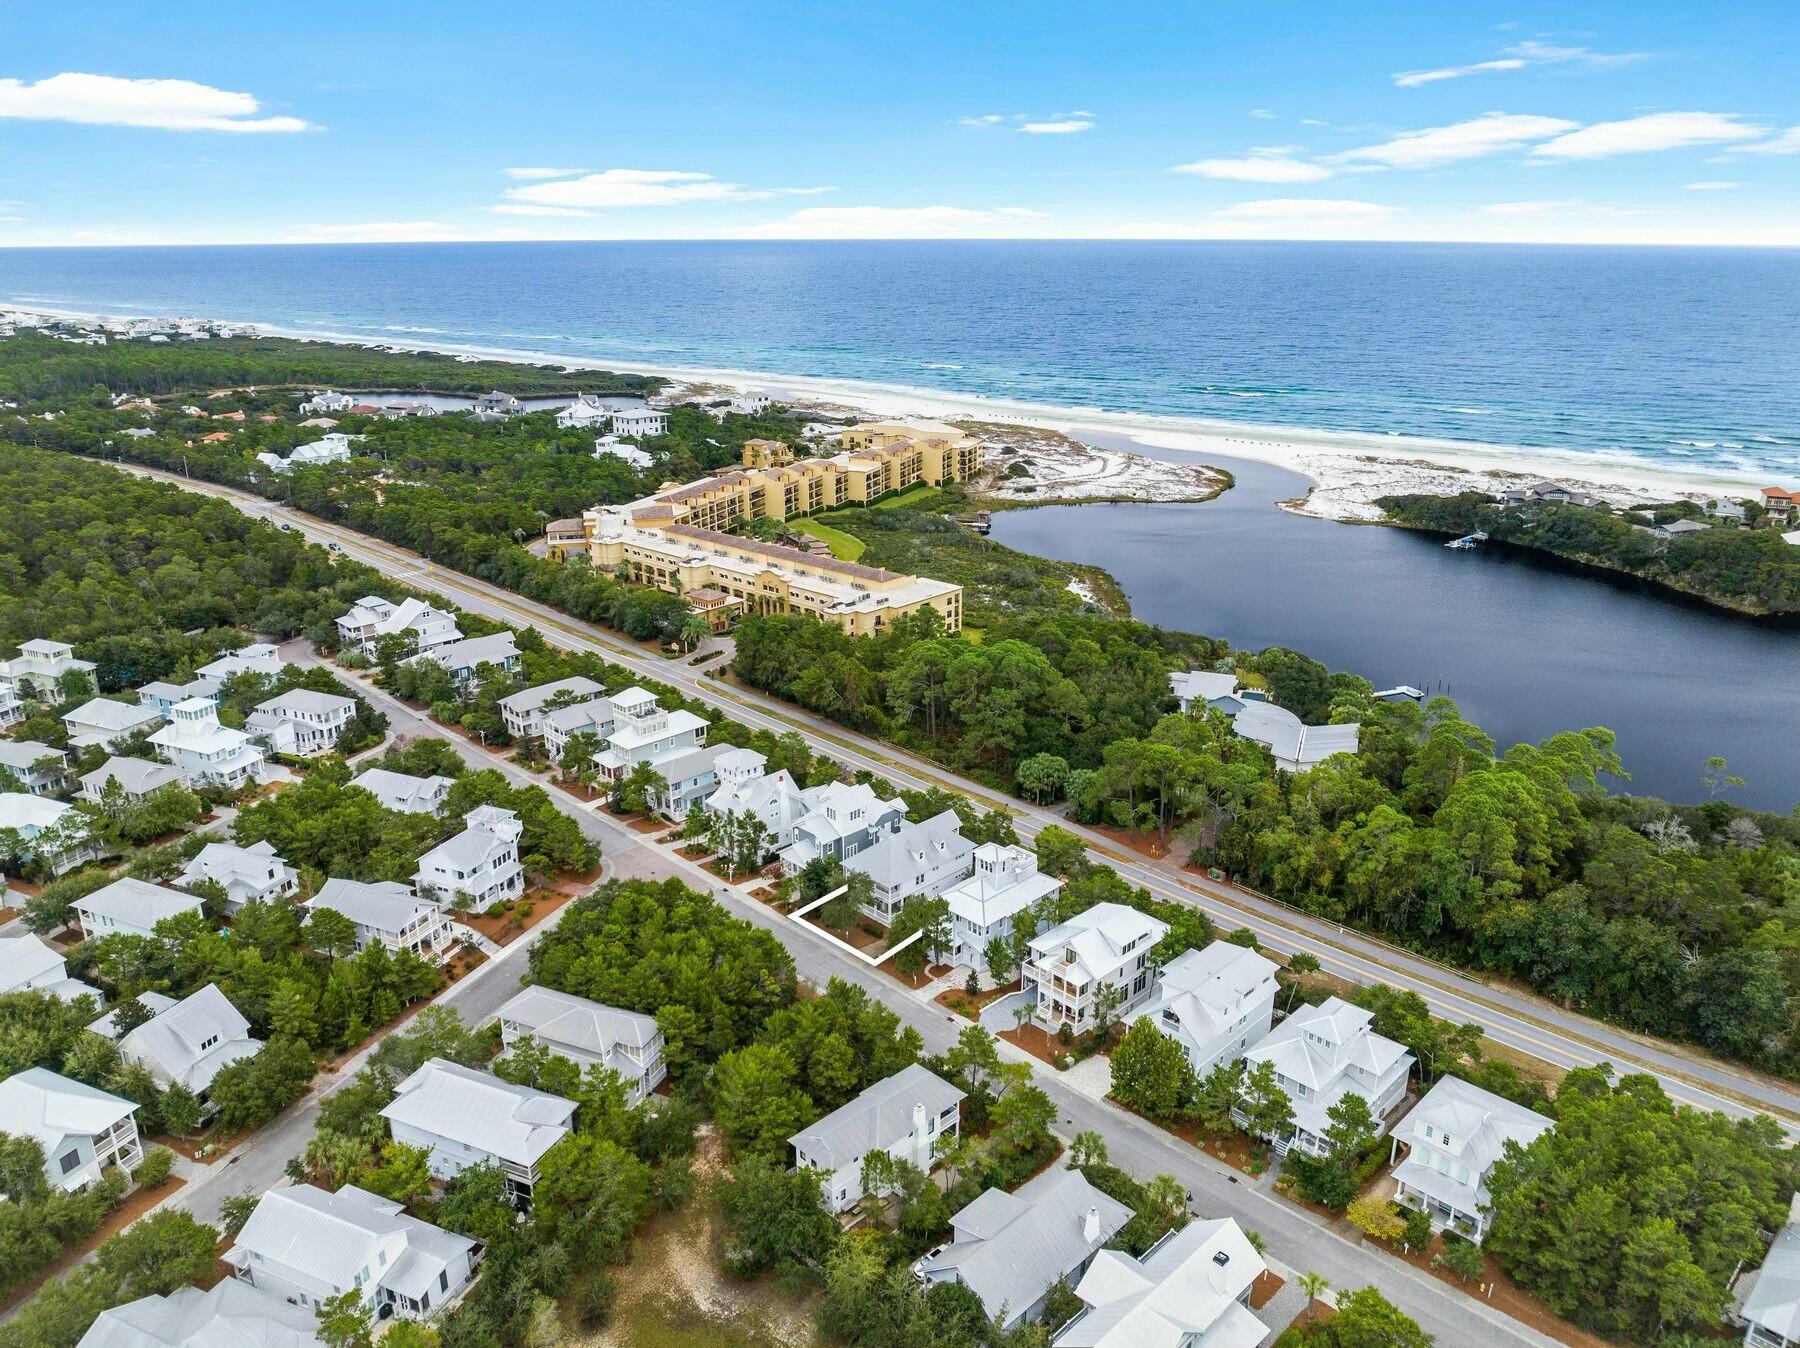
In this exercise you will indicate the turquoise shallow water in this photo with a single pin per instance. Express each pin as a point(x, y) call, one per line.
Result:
point(1683, 357)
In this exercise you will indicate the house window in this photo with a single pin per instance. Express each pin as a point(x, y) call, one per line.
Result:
point(69, 1161)
point(444, 1280)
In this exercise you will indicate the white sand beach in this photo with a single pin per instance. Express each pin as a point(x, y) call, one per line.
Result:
point(1348, 470)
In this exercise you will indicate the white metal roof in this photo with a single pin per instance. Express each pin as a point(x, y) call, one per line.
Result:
point(191, 1040)
point(1099, 937)
point(401, 791)
point(1182, 1294)
point(38, 1103)
point(131, 902)
point(875, 1120)
point(231, 1314)
point(383, 905)
point(562, 1018)
point(513, 1123)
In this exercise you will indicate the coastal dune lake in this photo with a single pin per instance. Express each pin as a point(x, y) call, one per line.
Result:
point(1526, 647)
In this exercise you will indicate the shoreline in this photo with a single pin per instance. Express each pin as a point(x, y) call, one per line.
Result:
point(1347, 469)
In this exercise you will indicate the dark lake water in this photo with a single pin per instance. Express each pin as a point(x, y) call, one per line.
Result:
point(1527, 648)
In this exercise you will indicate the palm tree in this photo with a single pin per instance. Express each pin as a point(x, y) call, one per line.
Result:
point(1315, 1285)
point(694, 631)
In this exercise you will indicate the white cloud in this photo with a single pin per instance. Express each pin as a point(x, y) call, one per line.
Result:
point(1653, 131)
point(1312, 121)
point(1488, 134)
point(1304, 208)
point(897, 222)
point(1709, 186)
point(1261, 166)
point(1263, 113)
point(986, 119)
point(382, 231)
point(534, 174)
point(1788, 142)
point(616, 189)
point(1412, 79)
point(106, 100)
point(1061, 126)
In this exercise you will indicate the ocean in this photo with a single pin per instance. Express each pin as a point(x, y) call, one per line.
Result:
point(1678, 358)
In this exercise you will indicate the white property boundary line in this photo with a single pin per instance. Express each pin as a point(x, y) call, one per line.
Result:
point(873, 961)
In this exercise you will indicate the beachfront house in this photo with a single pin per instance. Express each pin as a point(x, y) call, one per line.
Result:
point(1191, 1289)
point(1533, 493)
point(208, 755)
point(28, 965)
point(372, 617)
point(301, 723)
point(1005, 882)
point(404, 793)
point(1453, 1139)
point(34, 768)
point(41, 666)
point(164, 697)
point(903, 1115)
point(481, 862)
point(464, 1118)
point(1214, 1002)
point(522, 712)
point(745, 789)
point(184, 1042)
point(1011, 1249)
point(461, 659)
point(1767, 1299)
point(389, 914)
point(228, 1313)
point(307, 1246)
point(1323, 1053)
point(588, 1034)
point(59, 835)
point(840, 821)
point(259, 657)
point(253, 874)
point(81, 1128)
point(914, 861)
point(134, 778)
point(1108, 946)
point(131, 907)
point(107, 723)
point(1778, 503)
point(643, 732)
point(639, 423)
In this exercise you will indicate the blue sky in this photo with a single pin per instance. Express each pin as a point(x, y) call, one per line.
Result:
point(1641, 121)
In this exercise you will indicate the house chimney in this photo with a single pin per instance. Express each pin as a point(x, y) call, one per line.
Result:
point(921, 1137)
point(1090, 1227)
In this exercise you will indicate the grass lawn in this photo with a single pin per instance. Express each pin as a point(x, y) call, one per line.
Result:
point(920, 493)
point(845, 547)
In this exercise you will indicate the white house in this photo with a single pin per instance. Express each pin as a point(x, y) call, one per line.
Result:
point(639, 423)
point(132, 907)
point(259, 657)
point(610, 446)
point(306, 1246)
point(462, 658)
point(108, 723)
point(1214, 1002)
point(34, 768)
point(1767, 1299)
point(230, 1313)
point(165, 697)
point(38, 668)
point(1201, 686)
point(913, 861)
point(482, 861)
point(136, 778)
point(389, 914)
point(585, 412)
point(247, 874)
point(1006, 881)
point(372, 617)
point(774, 798)
point(81, 1128)
point(688, 779)
point(28, 965)
point(499, 404)
point(523, 711)
point(404, 793)
point(332, 447)
point(186, 1041)
point(327, 401)
point(464, 1118)
point(1108, 945)
point(205, 753)
point(60, 834)
point(1294, 745)
point(1454, 1137)
point(559, 725)
point(588, 1034)
point(903, 1115)
point(1189, 1290)
point(1323, 1053)
point(1011, 1249)
point(643, 732)
point(840, 821)
point(301, 722)
point(12, 711)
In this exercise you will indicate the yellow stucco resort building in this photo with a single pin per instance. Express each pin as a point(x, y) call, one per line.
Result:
point(677, 539)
